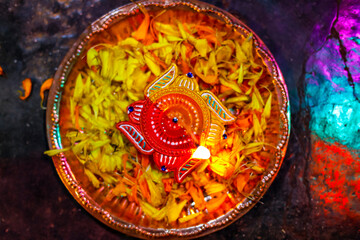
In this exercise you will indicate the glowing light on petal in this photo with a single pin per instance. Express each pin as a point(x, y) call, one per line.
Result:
point(201, 153)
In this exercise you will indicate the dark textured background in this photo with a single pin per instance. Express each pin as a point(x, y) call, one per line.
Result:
point(34, 204)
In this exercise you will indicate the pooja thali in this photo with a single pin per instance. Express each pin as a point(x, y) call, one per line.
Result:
point(141, 92)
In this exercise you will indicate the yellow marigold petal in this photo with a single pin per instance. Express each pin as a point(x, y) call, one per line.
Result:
point(78, 91)
point(201, 46)
point(253, 147)
point(212, 63)
point(224, 169)
point(106, 59)
point(174, 209)
point(214, 187)
point(189, 217)
point(255, 104)
point(267, 108)
point(240, 55)
point(120, 66)
point(141, 78)
point(54, 152)
point(131, 42)
point(257, 126)
point(152, 211)
point(155, 192)
point(155, 46)
point(92, 178)
point(232, 85)
point(173, 38)
point(239, 160)
point(223, 54)
point(168, 30)
point(183, 33)
point(92, 57)
point(153, 66)
point(256, 168)
point(247, 47)
point(241, 98)
point(240, 74)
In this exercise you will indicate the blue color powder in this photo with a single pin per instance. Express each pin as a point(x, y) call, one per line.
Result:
point(335, 112)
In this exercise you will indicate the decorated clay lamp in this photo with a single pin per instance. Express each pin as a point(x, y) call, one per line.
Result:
point(176, 123)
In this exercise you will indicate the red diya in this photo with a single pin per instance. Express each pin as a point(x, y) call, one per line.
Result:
point(158, 151)
point(173, 120)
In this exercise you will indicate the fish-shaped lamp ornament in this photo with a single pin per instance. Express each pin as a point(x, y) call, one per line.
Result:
point(176, 122)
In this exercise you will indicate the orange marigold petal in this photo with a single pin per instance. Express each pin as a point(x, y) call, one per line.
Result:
point(2, 73)
point(141, 32)
point(26, 85)
point(45, 86)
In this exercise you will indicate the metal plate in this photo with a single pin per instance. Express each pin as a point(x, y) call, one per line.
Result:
point(71, 171)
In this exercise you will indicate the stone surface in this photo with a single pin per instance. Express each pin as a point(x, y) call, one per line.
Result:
point(332, 97)
point(315, 195)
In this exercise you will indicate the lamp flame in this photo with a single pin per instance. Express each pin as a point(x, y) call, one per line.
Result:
point(201, 153)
